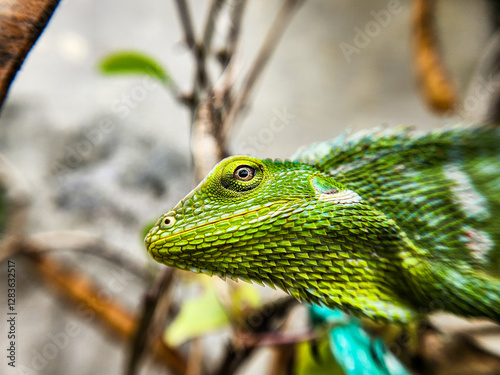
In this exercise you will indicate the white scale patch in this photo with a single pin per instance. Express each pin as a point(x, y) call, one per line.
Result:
point(343, 197)
point(478, 242)
point(472, 202)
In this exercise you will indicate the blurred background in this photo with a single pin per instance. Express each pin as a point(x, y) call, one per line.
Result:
point(105, 155)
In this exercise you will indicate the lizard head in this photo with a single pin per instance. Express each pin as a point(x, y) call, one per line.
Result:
point(283, 224)
point(241, 201)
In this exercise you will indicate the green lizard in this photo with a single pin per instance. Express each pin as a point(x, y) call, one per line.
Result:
point(387, 225)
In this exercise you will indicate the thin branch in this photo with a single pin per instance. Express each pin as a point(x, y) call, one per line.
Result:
point(187, 25)
point(233, 34)
point(283, 18)
point(208, 32)
point(436, 85)
point(227, 56)
point(150, 303)
point(22, 23)
point(203, 49)
point(201, 80)
point(206, 143)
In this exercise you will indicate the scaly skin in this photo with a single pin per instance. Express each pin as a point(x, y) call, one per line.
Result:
point(386, 225)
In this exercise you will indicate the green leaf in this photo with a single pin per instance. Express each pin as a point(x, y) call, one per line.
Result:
point(132, 62)
point(197, 316)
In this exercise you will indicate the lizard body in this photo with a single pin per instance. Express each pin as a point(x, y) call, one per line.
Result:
point(387, 225)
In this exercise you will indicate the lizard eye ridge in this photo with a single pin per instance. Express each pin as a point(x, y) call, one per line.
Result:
point(244, 173)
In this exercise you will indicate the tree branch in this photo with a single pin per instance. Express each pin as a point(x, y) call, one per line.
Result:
point(150, 302)
point(22, 23)
point(207, 146)
point(436, 85)
point(201, 79)
point(208, 32)
point(234, 31)
point(283, 18)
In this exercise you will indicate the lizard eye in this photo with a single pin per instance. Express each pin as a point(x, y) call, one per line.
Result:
point(240, 176)
point(244, 173)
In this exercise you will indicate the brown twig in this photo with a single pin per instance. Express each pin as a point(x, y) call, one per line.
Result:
point(21, 23)
point(436, 85)
point(201, 80)
point(207, 146)
point(227, 56)
point(281, 21)
point(140, 339)
point(210, 25)
point(233, 34)
point(187, 25)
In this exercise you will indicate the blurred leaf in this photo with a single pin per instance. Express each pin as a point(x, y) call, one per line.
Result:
point(196, 317)
point(244, 296)
point(316, 359)
point(131, 62)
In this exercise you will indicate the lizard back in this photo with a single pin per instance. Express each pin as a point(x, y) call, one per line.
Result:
point(442, 188)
